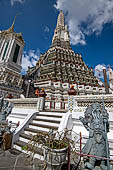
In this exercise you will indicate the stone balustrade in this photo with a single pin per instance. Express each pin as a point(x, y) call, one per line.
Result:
point(29, 103)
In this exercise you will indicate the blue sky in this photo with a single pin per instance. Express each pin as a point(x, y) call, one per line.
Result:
point(90, 24)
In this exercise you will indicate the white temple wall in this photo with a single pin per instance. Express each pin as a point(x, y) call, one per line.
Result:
point(88, 88)
point(57, 105)
point(56, 84)
point(81, 87)
point(66, 105)
point(95, 89)
point(65, 85)
point(43, 84)
point(47, 105)
point(102, 90)
point(75, 86)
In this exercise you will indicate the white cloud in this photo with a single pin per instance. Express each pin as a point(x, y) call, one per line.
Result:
point(85, 17)
point(46, 29)
point(13, 1)
point(99, 71)
point(29, 58)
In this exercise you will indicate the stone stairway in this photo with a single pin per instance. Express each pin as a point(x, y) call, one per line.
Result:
point(19, 115)
point(43, 122)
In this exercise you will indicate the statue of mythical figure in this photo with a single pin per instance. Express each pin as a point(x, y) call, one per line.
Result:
point(95, 120)
point(5, 109)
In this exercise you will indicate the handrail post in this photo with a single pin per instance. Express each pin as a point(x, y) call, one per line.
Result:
point(69, 157)
point(80, 144)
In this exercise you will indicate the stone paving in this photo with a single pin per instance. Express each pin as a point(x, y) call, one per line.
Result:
point(9, 161)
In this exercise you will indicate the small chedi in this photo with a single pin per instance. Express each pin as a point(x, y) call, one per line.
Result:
point(5, 110)
point(95, 120)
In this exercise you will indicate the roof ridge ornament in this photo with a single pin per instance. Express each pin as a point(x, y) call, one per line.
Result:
point(12, 26)
point(11, 29)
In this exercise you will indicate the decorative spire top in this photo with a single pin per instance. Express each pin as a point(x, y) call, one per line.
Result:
point(11, 29)
point(61, 36)
point(60, 20)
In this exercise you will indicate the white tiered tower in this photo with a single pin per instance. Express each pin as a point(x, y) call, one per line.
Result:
point(11, 48)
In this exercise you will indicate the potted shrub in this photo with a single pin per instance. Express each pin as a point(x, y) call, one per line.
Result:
point(55, 150)
point(55, 147)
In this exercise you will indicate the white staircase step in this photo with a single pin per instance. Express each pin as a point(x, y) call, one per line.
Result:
point(48, 118)
point(30, 131)
point(22, 139)
point(43, 122)
point(46, 123)
point(16, 116)
point(39, 128)
point(52, 113)
point(19, 148)
point(15, 120)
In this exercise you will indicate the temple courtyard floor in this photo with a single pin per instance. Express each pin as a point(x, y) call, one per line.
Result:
point(9, 160)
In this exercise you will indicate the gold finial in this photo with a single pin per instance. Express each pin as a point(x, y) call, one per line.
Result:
point(12, 26)
point(11, 29)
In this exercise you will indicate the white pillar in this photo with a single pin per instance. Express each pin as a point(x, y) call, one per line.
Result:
point(1, 40)
point(20, 56)
point(10, 49)
point(2, 48)
point(41, 103)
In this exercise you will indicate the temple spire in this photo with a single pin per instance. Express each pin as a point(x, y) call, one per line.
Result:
point(60, 20)
point(61, 36)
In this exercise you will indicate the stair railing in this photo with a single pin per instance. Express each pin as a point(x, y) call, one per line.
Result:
point(20, 129)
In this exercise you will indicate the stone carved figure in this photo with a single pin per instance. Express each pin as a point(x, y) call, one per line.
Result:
point(95, 120)
point(5, 110)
